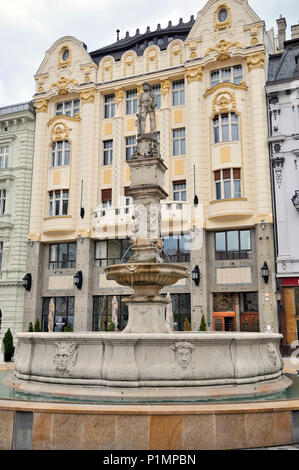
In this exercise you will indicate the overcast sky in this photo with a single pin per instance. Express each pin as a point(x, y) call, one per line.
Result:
point(29, 27)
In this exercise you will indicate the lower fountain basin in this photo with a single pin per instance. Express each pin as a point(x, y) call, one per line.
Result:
point(149, 366)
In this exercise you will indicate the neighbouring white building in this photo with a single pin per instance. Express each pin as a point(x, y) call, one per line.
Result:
point(283, 105)
point(17, 124)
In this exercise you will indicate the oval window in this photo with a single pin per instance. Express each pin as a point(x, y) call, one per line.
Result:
point(65, 55)
point(222, 15)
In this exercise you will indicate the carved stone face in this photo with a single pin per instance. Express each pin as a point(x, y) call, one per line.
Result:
point(65, 356)
point(183, 356)
point(62, 360)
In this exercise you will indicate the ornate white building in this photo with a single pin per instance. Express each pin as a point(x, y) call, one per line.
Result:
point(16, 159)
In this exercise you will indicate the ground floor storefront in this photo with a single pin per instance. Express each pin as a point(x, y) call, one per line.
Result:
point(289, 313)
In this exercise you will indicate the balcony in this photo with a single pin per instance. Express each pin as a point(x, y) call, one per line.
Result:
point(58, 225)
point(228, 209)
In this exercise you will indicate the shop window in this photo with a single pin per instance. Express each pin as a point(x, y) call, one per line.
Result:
point(63, 313)
point(102, 312)
point(176, 248)
point(181, 307)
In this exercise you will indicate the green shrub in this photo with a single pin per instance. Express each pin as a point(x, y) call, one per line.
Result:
point(203, 325)
point(8, 342)
point(111, 326)
point(30, 329)
point(68, 328)
point(37, 327)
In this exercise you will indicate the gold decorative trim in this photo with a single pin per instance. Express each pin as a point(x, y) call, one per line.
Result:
point(129, 60)
point(256, 61)
point(165, 87)
point(68, 118)
point(175, 49)
point(254, 32)
point(87, 96)
point(107, 66)
point(194, 74)
point(193, 48)
point(139, 88)
point(64, 63)
point(60, 131)
point(119, 95)
point(63, 84)
point(219, 26)
point(41, 106)
point(151, 56)
point(242, 86)
point(224, 102)
point(222, 48)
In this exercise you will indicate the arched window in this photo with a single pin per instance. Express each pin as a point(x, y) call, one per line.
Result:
point(226, 127)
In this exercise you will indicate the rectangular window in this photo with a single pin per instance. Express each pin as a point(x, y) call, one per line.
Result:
point(108, 152)
point(58, 202)
point(230, 74)
point(226, 127)
point(228, 183)
point(109, 106)
point(2, 201)
point(179, 191)
point(68, 108)
point(178, 93)
point(1, 255)
point(156, 89)
point(60, 153)
point(130, 147)
point(109, 252)
point(181, 307)
point(176, 248)
point(106, 198)
point(178, 141)
point(102, 312)
point(233, 244)
point(62, 255)
point(4, 156)
point(64, 308)
point(131, 102)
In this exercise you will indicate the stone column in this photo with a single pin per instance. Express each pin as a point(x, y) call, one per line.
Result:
point(262, 191)
point(83, 297)
point(196, 186)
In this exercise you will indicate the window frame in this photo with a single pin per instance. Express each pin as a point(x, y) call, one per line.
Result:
point(61, 200)
point(3, 196)
point(219, 125)
point(70, 112)
point(109, 106)
point(65, 153)
point(234, 78)
point(1, 255)
point(182, 192)
point(68, 315)
point(178, 92)
point(180, 140)
point(124, 244)
point(131, 101)
point(233, 254)
point(107, 153)
point(60, 264)
point(130, 147)
point(221, 186)
point(4, 155)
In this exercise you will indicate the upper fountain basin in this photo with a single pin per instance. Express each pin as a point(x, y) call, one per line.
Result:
point(142, 274)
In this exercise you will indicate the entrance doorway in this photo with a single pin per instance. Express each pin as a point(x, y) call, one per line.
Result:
point(224, 312)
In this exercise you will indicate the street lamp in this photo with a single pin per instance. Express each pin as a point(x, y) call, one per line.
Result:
point(265, 272)
point(196, 275)
point(78, 279)
point(295, 200)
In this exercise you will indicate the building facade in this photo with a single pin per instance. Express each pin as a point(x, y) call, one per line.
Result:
point(209, 78)
point(16, 158)
point(283, 105)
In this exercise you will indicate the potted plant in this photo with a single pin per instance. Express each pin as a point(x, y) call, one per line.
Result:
point(8, 346)
point(203, 325)
point(111, 326)
point(37, 326)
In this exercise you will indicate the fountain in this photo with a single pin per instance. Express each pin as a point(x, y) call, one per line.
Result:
point(147, 361)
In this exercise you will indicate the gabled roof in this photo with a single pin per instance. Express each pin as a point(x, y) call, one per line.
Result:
point(285, 66)
point(139, 42)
